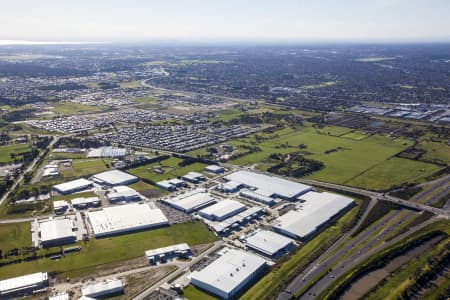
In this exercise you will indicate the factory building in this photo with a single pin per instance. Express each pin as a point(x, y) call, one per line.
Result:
point(125, 218)
point(83, 203)
point(313, 212)
point(269, 243)
point(166, 185)
point(257, 197)
point(107, 152)
point(162, 254)
point(230, 274)
point(63, 296)
point(73, 186)
point(191, 201)
point(60, 206)
point(215, 169)
point(56, 232)
point(114, 177)
point(123, 193)
point(265, 185)
point(194, 177)
point(102, 289)
point(228, 225)
point(22, 285)
point(222, 210)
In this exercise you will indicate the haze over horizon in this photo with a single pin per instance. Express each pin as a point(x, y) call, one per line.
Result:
point(208, 21)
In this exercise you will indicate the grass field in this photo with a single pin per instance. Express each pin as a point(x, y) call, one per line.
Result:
point(15, 235)
point(268, 285)
point(193, 293)
point(355, 135)
point(98, 252)
point(131, 84)
point(169, 166)
point(349, 159)
point(319, 85)
point(87, 167)
point(393, 171)
point(435, 151)
point(6, 151)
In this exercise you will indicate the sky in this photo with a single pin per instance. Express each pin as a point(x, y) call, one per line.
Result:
point(225, 20)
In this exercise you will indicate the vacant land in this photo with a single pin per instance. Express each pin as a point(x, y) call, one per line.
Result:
point(6, 151)
point(97, 252)
point(82, 168)
point(435, 151)
point(193, 293)
point(393, 171)
point(170, 168)
point(15, 235)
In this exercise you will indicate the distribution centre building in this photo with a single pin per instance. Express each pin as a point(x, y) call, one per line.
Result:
point(73, 186)
point(102, 289)
point(269, 186)
point(191, 201)
point(125, 218)
point(228, 275)
point(314, 211)
point(114, 177)
point(56, 232)
point(268, 243)
point(18, 286)
point(222, 210)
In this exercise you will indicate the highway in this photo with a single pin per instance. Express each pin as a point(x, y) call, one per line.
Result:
point(29, 169)
point(361, 247)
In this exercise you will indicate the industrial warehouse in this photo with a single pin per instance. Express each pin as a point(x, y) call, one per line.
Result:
point(229, 275)
point(269, 243)
point(18, 286)
point(125, 218)
point(73, 186)
point(222, 210)
point(56, 232)
point(314, 210)
point(114, 177)
point(264, 185)
point(191, 201)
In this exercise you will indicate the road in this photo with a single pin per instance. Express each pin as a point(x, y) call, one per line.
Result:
point(365, 244)
point(179, 272)
point(29, 169)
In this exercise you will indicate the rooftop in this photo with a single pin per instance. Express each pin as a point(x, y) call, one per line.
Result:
point(223, 208)
point(56, 229)
point(230, 270)
point(17, 283)
point(115, 177)
point(267, 242)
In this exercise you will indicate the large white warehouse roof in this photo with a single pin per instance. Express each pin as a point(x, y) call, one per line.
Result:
point(269, 185)
point(229, 273)
point(20, 283)
point(115, 177)
point(124, 218)
point(191, 201)
point(267, 242)
point(72, 186)
point(222, 210)
point(316, 209)
point(102, 288)
point(56, 229)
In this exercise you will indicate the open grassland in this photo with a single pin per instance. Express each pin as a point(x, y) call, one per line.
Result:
point(170, 169)
point(319, 85)
point(270, 284)
point(355, 135)
point(87, 167)
point(393, 171)
point(7, 150)
point(98, 252)
point(344, 158)
point(130, 84)
point(70, 108)
point(15, 235)
point(193, 293)
point(435, 151)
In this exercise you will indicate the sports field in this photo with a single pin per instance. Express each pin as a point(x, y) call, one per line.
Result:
point(98, 252)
